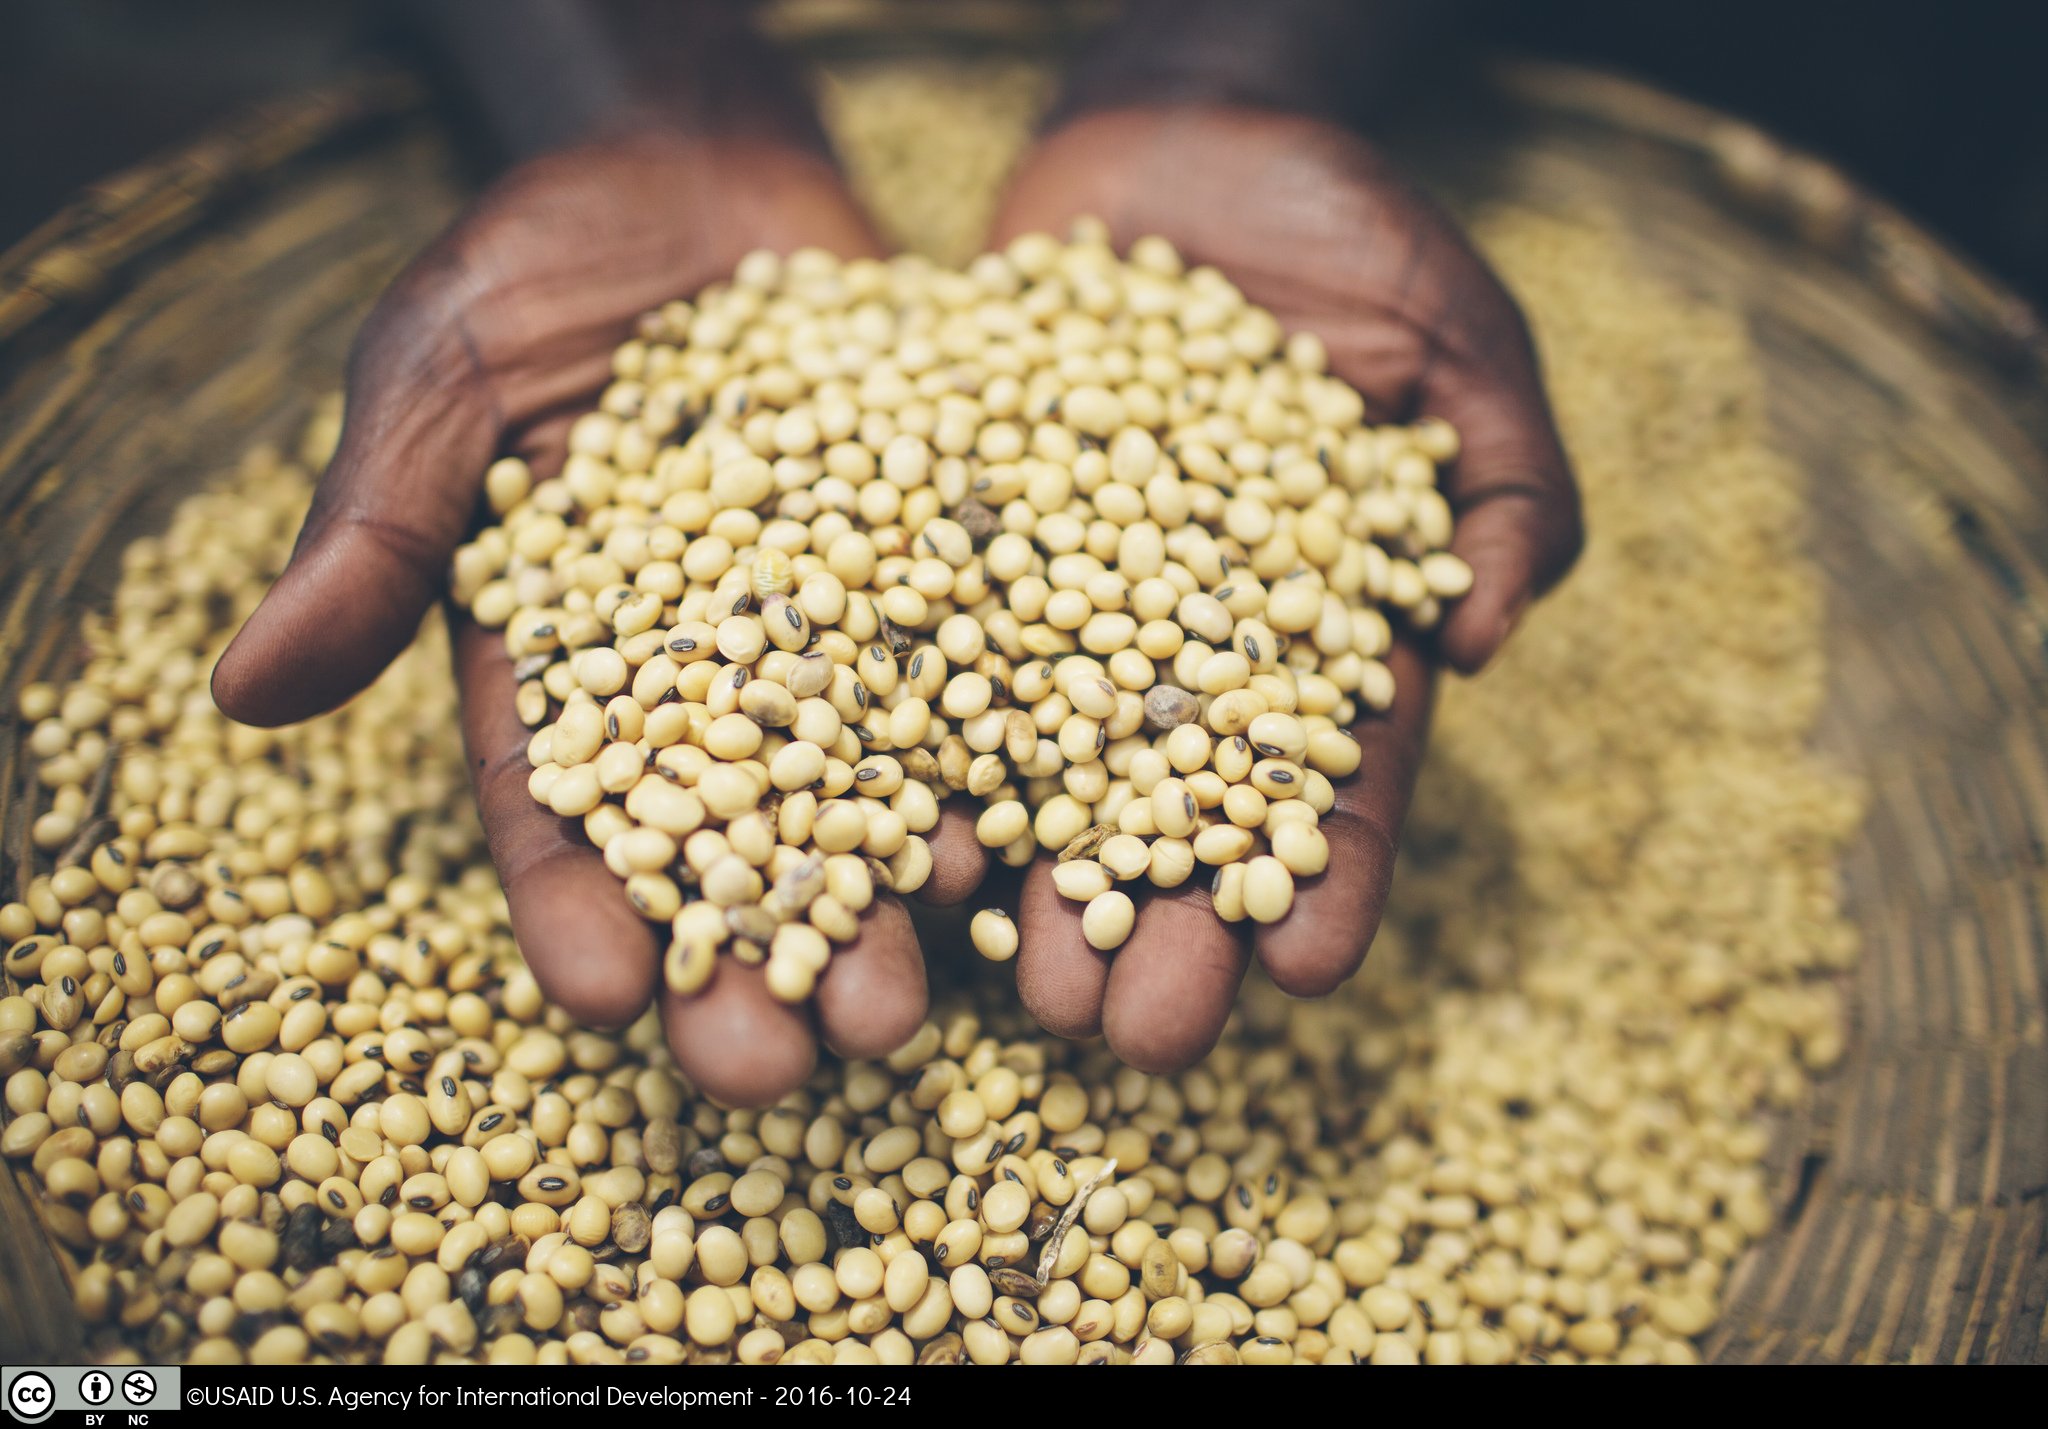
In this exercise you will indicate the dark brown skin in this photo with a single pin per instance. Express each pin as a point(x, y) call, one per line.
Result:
point(492, 342)
point(501, 333)
point(1310, 222)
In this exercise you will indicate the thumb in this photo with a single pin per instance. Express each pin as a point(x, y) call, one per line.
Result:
point(385, 520)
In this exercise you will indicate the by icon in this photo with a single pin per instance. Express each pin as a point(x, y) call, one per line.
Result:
point(97, 1387)
point(139, 1386)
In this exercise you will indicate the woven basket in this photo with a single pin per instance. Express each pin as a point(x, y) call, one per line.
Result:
point(152, 331)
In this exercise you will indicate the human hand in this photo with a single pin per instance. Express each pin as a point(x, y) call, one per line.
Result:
point(1312, 223)
point(491, 343)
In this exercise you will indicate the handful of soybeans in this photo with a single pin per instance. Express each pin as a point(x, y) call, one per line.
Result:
point(1085, 537)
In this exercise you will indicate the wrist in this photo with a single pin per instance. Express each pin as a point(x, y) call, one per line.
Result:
point(1334, 60)
point(537, 75)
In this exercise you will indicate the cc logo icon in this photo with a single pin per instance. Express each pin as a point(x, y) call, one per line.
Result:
point(31, 1397)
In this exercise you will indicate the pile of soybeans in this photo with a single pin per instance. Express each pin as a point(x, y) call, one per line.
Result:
point(283, 1091)
point(1088, 540)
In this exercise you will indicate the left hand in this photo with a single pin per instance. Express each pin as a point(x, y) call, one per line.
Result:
point(1312, 223)
point(490, 344)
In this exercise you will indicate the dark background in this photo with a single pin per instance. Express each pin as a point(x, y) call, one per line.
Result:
point(1940, 107)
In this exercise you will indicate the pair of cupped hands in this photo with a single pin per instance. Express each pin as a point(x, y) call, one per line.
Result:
point(501, 333)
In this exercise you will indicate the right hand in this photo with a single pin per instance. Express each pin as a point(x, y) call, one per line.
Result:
point(1312, 223)
point(491, 343)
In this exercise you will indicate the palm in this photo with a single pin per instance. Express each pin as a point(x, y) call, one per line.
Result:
point(528, 297)
point(1310, 221)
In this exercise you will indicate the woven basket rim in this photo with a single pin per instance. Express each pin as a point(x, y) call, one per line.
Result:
point(71, 258)
point(1828, 208)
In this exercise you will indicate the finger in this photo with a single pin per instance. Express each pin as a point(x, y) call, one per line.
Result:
point(1518, 518)
point(1324, 938)
point(871, 998)
point(587, 948)
point(590, 952)
point(959, 862)
point(1518, 545)
point(1173, 984)
point(739, 1045)
point(388, 514)
point(1060, 978)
